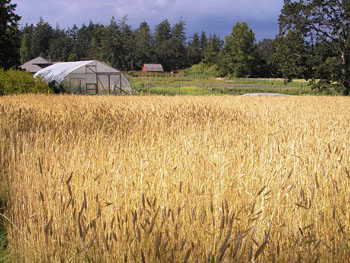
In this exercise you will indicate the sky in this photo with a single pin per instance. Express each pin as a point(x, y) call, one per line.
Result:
point(212, 16)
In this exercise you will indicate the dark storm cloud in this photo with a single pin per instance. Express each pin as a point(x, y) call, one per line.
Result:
point(212, 16)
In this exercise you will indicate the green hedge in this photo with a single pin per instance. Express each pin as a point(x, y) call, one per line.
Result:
point(16, 82)
point(202, 70)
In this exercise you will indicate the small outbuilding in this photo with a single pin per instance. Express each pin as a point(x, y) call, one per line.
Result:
point(152, 68)
point(86, 77)
point(36, 64)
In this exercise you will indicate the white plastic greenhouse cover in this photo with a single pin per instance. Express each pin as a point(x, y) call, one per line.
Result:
point(66, 72)
point(58, 71)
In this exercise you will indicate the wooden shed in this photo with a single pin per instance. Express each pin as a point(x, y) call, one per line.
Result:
point(152, 68)
point(36, 64)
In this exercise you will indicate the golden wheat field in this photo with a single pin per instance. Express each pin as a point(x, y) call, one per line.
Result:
point(176, 179)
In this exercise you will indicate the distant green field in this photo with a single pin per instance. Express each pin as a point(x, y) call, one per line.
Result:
point(167, 84)
point(195, 90)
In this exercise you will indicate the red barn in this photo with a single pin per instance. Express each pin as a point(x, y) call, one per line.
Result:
point(152, 68)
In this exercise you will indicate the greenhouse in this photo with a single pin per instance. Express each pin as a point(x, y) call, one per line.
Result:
point(86, 77)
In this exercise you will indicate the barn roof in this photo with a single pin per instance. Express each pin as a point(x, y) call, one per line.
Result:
point(58, 71)
point(154, 67)
point(36, 64)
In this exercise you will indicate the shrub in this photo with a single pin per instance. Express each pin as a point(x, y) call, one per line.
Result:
point(203, 70)
point(16, 82)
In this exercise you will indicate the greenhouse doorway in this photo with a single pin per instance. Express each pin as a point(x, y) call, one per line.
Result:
point(91, 84)
point(102, 82)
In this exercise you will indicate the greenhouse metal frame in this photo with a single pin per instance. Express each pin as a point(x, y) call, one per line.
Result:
point(86, 77)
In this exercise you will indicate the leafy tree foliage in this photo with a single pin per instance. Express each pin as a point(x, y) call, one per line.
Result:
point(291, 55)
point(265, 59)
point(238, 53)
point(9, 35)
point(327, 23)
point(16, 82)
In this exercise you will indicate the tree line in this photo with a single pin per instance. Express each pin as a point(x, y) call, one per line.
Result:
point(238, 55)
point(116, 44)
point(313, 43)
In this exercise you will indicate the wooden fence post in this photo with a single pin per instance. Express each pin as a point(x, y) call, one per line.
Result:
point(148, 86)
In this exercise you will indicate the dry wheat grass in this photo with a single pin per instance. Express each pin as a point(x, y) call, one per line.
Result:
point(176, 179)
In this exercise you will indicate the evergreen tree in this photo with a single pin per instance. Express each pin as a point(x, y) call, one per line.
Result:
point(163, 44)
point(42, 35)
point(212, 51)
point(9, 35)
point(177, 53)
point(72, 35)
point(194, 51)
point(95, 47)
point(25, 54)
point(28, 31)
point(163, 31)
point(178, 32)
point(60, 45)
point(110, 43)
point(82, 44)
point(128, 46)
point(144, 45)
point(203, 43)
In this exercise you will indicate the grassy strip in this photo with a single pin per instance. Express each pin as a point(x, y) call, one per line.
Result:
point(217, 90)
point(168, 78)
point(191, 90)
point(272, 82)
point(167, 84)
